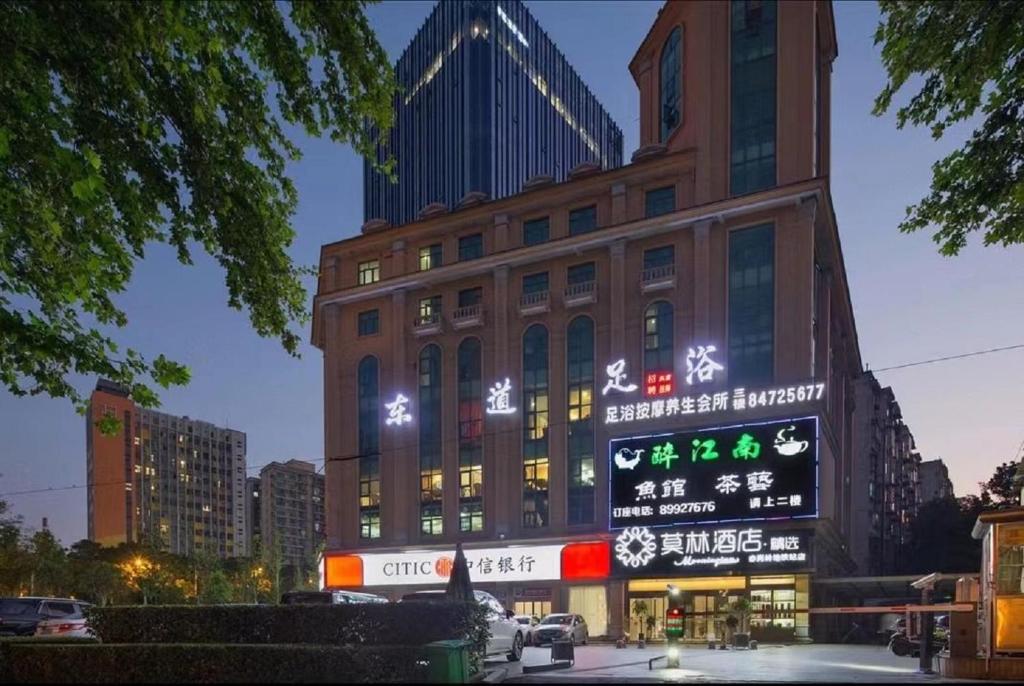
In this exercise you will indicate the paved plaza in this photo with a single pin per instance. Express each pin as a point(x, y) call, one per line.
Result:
point(799, 663)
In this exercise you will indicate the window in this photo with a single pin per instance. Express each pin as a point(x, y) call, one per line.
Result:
point(535, 427)
point(665, 256)
point(369, 448)
point(581, 273)
point(471, 247)
point(658, 341)
point(471, 296)
point(430, 257)
point(583, 220)
point(471, 425)
point(580, 378)
point(369, 322)
point(752, 100)
point(369, 272)
point(752, 305)
point(660, 201)
point(430, 440)
point(430, 308)
point(535, 283)
point(671, 81)
point(535, 231)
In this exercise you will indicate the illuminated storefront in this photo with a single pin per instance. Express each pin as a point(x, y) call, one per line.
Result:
point(758, 483)
point(529, 579)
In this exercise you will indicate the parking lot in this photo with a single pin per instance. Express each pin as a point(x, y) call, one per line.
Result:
point(797, 663)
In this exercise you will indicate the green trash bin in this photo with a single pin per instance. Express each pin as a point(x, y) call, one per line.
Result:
point(449, 661)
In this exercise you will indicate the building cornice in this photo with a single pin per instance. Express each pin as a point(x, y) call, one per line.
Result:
point(719, 211)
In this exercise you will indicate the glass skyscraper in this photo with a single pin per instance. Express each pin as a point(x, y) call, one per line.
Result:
point(486, 102)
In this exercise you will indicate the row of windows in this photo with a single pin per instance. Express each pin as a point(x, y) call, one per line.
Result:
point(430, 308)
point(750, 359)
point(535, 231)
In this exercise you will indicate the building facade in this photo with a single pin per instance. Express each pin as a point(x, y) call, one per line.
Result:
point(934, 481)
point(637, 377)
point(172, 482)
point(292, 511)
point(487, 102)
point(253, 517)
point(887, 481)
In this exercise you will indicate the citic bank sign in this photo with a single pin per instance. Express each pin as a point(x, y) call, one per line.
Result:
point(571, 561)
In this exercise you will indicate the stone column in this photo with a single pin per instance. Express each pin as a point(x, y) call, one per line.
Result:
point(617, 325)
point(501, 463)
point(701, 281)
point(398, 442)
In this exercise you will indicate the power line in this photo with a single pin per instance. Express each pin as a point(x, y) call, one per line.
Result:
point(345, 458)
point(974, 353)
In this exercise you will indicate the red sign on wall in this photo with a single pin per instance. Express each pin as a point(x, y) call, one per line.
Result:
point(658, 384)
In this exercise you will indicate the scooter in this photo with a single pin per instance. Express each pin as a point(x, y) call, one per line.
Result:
point(902, 646)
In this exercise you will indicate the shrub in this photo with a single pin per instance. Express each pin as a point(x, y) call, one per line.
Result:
point(369, 624)
point(208, 663)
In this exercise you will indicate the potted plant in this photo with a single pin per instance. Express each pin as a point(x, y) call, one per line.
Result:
point(652, 622)
point(741, 612)
point(731, 622)
point(640, 611)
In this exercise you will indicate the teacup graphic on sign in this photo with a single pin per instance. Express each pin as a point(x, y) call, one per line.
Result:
point(787, 445)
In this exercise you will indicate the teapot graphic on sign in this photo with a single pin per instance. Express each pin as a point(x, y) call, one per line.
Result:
point(787, 445)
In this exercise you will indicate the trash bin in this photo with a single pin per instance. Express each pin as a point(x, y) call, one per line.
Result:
point(448, 661)
point(562, 650)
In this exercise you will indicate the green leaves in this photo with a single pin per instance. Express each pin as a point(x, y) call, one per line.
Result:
point(969, 60)
point(123, 124)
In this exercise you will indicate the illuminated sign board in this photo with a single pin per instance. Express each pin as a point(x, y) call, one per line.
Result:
point(529, 563)
point(765, 470)
point(642, 551)
point(576, 561)
point(737, 399)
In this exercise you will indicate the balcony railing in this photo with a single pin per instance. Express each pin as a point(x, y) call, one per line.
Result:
point(657, 278)
point(533, 303)
point(581, 293)
point(427, 325)
point(466, 317)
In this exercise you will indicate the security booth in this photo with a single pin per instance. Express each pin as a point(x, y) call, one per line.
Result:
point(1000, 625)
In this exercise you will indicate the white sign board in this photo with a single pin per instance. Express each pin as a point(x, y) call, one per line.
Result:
point(524, 563)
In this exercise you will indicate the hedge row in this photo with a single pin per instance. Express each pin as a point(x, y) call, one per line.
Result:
point(22, 662)
point(368, 624)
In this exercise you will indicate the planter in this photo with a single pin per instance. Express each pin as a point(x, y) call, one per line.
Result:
point(741, 640)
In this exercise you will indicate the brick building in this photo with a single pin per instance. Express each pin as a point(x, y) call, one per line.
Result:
point(510, 374)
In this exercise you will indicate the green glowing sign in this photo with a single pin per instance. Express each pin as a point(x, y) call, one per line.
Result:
point(705, 450)
point(747, 448)
point(663, 455)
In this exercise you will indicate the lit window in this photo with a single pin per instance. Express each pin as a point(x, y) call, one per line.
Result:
point(369, 272)
point(430, 257)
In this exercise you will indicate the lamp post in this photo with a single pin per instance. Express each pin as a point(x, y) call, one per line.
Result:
point(673, 625)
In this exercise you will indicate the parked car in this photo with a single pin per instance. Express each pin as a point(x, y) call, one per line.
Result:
point(53, 616)
point(527, 623)
point(329, 598)
point(507, 635)
point(561, 625)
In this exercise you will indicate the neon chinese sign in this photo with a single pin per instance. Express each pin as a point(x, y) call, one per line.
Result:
point(639, 551)
point(756, 471)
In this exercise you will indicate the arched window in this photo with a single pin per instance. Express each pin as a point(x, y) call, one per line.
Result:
point(430, 440)
point(368, 390)
point(671, 83)
point(658, 349)
point(535, 427)
point(471, 444)
point(580, 379)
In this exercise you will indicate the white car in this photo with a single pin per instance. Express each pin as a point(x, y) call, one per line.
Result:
point(64, 618)
point(526, 623)
point(506, 633)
